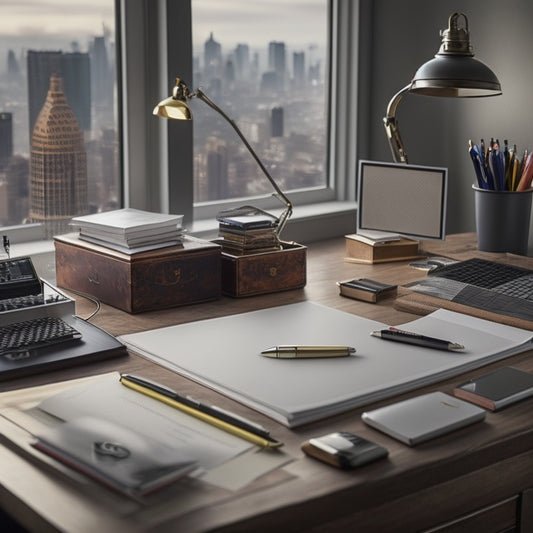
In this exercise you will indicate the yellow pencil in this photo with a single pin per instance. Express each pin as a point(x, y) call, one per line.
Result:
point(513, 176)
point(220, 424)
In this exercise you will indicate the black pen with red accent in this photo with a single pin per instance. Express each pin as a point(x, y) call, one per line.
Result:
point(398, 335)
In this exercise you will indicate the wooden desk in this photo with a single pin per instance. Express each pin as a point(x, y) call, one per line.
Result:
point(476, 479)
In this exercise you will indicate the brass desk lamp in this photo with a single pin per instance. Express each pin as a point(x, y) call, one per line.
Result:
point(452, 72)
point(176, 107)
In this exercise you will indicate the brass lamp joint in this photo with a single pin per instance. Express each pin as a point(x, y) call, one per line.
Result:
point(181, 91)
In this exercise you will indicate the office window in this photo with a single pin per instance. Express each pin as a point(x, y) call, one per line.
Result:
point(59, 153)
point(165, 171)
point(269, 72)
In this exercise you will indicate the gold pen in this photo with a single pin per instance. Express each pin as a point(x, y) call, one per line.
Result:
point(304, 351)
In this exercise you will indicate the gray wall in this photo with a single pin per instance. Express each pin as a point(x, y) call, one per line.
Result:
point(400, 36)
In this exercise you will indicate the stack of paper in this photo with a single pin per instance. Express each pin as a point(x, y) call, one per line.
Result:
point(247, 230)
point(224, 354)
point(130, 230)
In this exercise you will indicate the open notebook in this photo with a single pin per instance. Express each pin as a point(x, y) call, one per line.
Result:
point(224, 354)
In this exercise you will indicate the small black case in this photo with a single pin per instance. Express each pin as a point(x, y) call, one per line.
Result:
point(344, 450)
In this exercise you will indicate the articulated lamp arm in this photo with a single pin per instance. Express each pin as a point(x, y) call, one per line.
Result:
point(391, 127)
point(176, 107)
point(288, 205)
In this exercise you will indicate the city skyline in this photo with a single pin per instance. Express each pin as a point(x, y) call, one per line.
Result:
point(32, 21)
point(274, 115)
point(227, 51)
point(280, 21)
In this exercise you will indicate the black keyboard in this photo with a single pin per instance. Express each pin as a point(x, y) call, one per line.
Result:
point(36, 333)
point(499, 277)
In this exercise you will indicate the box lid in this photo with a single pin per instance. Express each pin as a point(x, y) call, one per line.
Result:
point(189, 245)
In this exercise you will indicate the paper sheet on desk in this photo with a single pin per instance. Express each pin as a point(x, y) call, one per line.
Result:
point(229, 462)
point(109, 399)
point(20, 419)
point(223, 354)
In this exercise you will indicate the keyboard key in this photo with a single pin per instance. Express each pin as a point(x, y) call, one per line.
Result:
point(36, 333)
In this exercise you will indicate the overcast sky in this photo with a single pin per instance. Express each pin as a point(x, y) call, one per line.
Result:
point(294, 21)
point(48, 17)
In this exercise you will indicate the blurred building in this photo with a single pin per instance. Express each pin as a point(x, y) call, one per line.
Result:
point(276, 122)
point(58, 166)
point(6, 137)
point(74, 69)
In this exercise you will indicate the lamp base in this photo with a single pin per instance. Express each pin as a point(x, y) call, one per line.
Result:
point(265, 272)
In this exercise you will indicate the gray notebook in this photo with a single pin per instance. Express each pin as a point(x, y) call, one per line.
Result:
point(423, 417)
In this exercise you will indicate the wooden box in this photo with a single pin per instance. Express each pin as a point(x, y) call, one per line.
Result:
point(381, 252)
point(157, 279)
point(279, 270)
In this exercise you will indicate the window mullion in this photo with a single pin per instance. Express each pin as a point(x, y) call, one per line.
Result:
point(180, 139)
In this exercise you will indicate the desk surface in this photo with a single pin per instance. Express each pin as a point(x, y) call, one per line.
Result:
point(488, 466)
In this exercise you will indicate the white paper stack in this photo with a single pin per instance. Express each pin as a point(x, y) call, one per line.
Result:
point(130, 230)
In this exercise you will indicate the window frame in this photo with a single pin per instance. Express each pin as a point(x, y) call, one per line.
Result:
point(161, 179)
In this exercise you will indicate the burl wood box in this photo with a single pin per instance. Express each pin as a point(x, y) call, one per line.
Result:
point(157, 279)
point(280, 270)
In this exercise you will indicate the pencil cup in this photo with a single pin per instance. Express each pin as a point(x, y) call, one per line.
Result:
point(502, 220)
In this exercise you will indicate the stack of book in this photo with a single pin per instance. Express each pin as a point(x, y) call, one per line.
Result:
point(248, 233)
point(130, 230)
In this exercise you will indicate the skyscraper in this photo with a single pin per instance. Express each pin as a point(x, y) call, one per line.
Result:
point(58, 167)
point(217, 168)
point(212, 58)
point(277, 61)
point(229, 72)
point(242, 60)
point(17, 171)
point(298, 68)
point(6, 137)
point(74, 69)
point(102, 81)
point(76, 75)
point(276, 122)
point(13, 67)
point(41, 65)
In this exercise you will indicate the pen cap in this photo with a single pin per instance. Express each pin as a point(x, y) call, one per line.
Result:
point(503, 220)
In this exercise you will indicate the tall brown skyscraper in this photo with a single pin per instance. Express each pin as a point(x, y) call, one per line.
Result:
point(58, 167)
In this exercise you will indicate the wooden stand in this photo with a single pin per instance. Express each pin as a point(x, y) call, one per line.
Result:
point(380, 252)
point(279, 270)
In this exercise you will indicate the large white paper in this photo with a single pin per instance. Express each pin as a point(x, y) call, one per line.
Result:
point(224, 354)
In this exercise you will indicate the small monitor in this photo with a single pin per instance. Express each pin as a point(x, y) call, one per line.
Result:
point(406, 199)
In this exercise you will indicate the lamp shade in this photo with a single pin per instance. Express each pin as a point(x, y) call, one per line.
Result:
point(452, 72)
point(175, 107)
point(455, 76)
